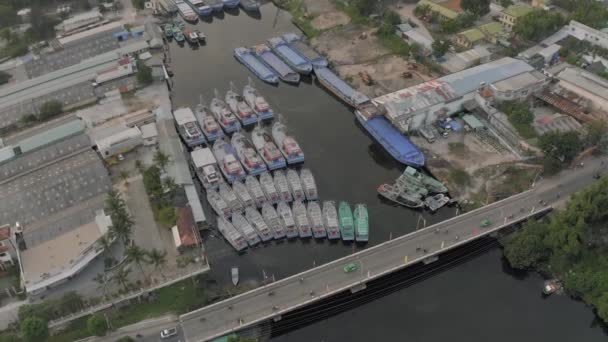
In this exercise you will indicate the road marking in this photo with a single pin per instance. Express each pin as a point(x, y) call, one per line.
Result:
point(442, 244)
point(405, 260)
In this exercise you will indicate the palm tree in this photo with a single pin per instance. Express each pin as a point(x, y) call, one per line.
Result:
point(161, 160)
point(137, 255)
point(102, 280)
point(169, 184)
point(124, 175)
point(105, 241)
point(121, 228)
point(158, 259)
point(121, 276)
point(114, 203)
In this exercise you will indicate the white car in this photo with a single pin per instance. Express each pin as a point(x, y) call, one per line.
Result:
point(166, 333)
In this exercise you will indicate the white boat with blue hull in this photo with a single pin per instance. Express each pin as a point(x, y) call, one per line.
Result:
point(188, 128)
point(290, 56)
point(287, 220)
point(200, 7)
point(231, 234)
point(287, 144)
point(257, 102)
point(255, 189)
point(297, 44)
point(282, 186)
point(253, 164)
point(253, 216)
point(243, 194)
point(186, 12)
point(267, 184)
point(216, 5)
point(239, 106)
point(274, 222)
point(206, 168)
point(267, 149)
point(301, 218)
point(229, 164)
point(243, 226)
point(250, 5)
point(316, 220)
point(227, 120)
point(206, 120)
point(266, 56)
point(247, 58)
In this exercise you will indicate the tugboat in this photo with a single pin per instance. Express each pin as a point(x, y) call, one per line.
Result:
point(243, 194)
point(274, 222)
point(231, 4)
point(301, 218)
point(309, 185)
point(330, 218)
point(266, 56)
point(404, 198)
point(361, 223)
point(179, 37)
point(268, 187)
point(347, 228)
point(230, 198)
point(226, 158)
point(255, 190)
point(246, 57)
point(257, 102)
point(267, 149)
point(202, 39)
point(295, 186)
point(188, 128)
point(436, 201)
point(247, 155)
point(239, 107)
point(282, 186)
point(206, 168)
point(316, 220)
point(288, 146)
point(223, 115)
point(211, 129)
point(233, 236)
point(218, 204)
point(243, 226)
point(287, 220)
point(258, 223)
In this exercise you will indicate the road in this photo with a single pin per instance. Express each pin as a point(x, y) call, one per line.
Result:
point(299, 290)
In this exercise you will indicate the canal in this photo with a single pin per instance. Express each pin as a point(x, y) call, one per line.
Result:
point(476, 299)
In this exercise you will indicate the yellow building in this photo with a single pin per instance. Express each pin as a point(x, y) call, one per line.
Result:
point(509, 16)
point(484, 33)
point(446, 9)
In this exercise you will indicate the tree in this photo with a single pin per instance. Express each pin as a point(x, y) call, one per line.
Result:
point(450, 26)
point(70, 302)
point(34, 329)
point(506, 3)
point(102, 280)
point(97, 325)
point(8, 16)
point(365, 7)
point(595, 130)
point(169, 185)
point(105, 241)
point(422, 10)
point(144, 74)
point(120, 277)
point(562, 146)
point(122, 223)
point(538, 24)
point(4, 77)
point(161, 160)
point(520, 116)
point(137, 255)
point(525, 248)
point(440, 47)
point(477, 7)
point(158, 259)
point(389, 21)
point(50, 109)
point(124, 175)
point(125, 339)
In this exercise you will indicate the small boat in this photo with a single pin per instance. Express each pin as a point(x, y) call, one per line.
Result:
point(274, 222)
point(309, 185)
point(290, 56)
point(295, 185)
point(188, 127)
point(202, 38)
point(206, 168)
point(272, 61)
point(436, 201)
point(250, 5)
point(242, 225)
point(361, 223)
point(218, 204)
point(178, 25)
point(347, 228)
point(330, 218)
point(230, 198)
point(246, 57)
point(168, 30)
point(179, 37)
point(253, 164)
point(186, 12)
point(434, 186)
point(288, 146)
point(315, 217)
point(551, 286)
point(268, 187)
point(223, 115)
point(231, 234)
point(255, 189)
point(257, 102)
point(282, 186)
point(243, 194)
point(412, 186)
point(396, 195)
point(191, 36)
point(200, 7)
point(287, 220)
point(231, 4)
point(301, 219)
point(238, 106)
point(234, 274)
point(211, 129)
point(216, 5)
point(226, 158)
point(253, 216)
point(267, 149)
point(298, 45)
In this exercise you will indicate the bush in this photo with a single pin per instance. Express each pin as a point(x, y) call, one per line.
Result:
point(50, 109)
point(520, 116)
point(34, 329)
point(96, 325)
point(144, 74)
point(4, 77)
point(460, 177)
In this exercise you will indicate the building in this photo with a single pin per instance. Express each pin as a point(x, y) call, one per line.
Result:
point(8, 250)
point(540, 3)
point(185, 232)
point(590, 87)
point(556, 123)
point(469, 38)
point(79, 21)
point(123, 68)
point(120, 142)
point(466, 59)
point(511, 14)
point(519, 87)
point(415, 36)
point(446, 9)
point(149, 134)
point(492, 32)
point(584, 32)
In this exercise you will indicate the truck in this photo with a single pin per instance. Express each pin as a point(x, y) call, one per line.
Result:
point(205, 167)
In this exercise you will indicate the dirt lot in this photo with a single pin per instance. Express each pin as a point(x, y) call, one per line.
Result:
point(343, 45)
point(327, 20)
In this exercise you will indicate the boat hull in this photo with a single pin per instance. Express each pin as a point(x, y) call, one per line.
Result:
point(211, 137)
point(333, 235)
point(241, 57)
point(250, 5)
point(231, 4)
point(290, 56)
point(248, 121)
point(293, 159)
point(274, 164)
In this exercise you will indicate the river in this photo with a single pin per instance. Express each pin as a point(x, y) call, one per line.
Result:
point(477, 300)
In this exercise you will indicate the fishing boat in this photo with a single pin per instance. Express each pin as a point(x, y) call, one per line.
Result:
point(253, 164)
point(267, 149)
point(255, 189)
point(287, 220)
point(347, 228)
point(272, 61)
point(274, 222)
point(231, 4)
point(234, 274)
point(257, 102)
point(243, 194)
point(167, 6)
point(309, 185)
point(315, 217)
point(231, 234)
point(282, 186)
point(436, 201)
point(361, 223)
point(186, 12)
point(200, 7)
point(178, 25)
point(238, 106)
point(206, 120)
point(191, 36)
point(298, 45)
point(340, 88)
point(434, 186)
point(206, 168)
point(168, 30)
point(226, 158)
point(295, 186)
point(216, 5)
point(412, 186)
point(250, 5)
point(218, 204)
point(301, 219)
point(253, 216)
point(288, 146)
point(393, 193)
point(290, 56)
point(246, 57)
point(178, 36)
point(223, 115)
point(202, 38)
point(330, 219)
point(188, 128)
point(267, 184)
point(242, 225)
point(230, 198)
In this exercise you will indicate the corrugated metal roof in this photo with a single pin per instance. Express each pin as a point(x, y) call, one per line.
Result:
point(472, 121)
point(195, 204)
point(409, 100)
point(585, 80)
point(52, 135)
point(183, 115)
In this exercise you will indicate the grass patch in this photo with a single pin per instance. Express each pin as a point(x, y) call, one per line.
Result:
point(165, 216)
point(299, 16)
point(457, 148)
point(352, 12)
point(516, 181)
point(460, 177)
point(75, 331)
point(526, 131)
point(395, 44)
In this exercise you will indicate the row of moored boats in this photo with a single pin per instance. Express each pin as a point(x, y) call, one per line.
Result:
point(414, 189)
point(177, 30)
point(190, 10)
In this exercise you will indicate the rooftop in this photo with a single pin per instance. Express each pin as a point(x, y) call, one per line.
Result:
point(586, 81)
point(186, 229)
point(52, 135)
point(183, 115)
point(448, 8)
point(472, 121)
point(520, 81)
point(518, 10)
point(492, 28)
point(419, 38)
point(149, 130)
point(473, 35)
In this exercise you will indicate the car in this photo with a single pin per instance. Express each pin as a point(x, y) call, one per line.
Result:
point(350, 267)
point(485, 223)
point(166, 333)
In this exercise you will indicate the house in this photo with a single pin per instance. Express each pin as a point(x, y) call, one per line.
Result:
point(402, 28)
point(120, 142)
point(492, 32)
point(446, 9)
point(469, 38)
point(466, 59)
point(149, 134)
point(519, 86)
point(185, 233)
point(511, 14)
point(540, 3)
point(586, 85)
point(414, 36)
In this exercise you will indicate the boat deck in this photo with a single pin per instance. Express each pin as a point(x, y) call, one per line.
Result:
point(277, 64)
point(351, 95)
point(284, 50)
point(258, 67)
point(398, 145)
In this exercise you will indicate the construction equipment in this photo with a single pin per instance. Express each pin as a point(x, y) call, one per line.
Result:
point(366, 78)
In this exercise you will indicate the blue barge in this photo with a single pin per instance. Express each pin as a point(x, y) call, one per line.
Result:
point(216, 5)
point(231, 4)
point(264, 73)
point(340, 88)
point(200, 7)
point(266, 56)
point(297, 44)
point(291, 57)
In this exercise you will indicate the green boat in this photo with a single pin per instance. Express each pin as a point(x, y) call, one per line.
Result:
point(413, 186)
point(361, 223)
point(168, 29)
point(179, 37)
point(433, 185)
point(179, 24)
point(346, 222)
